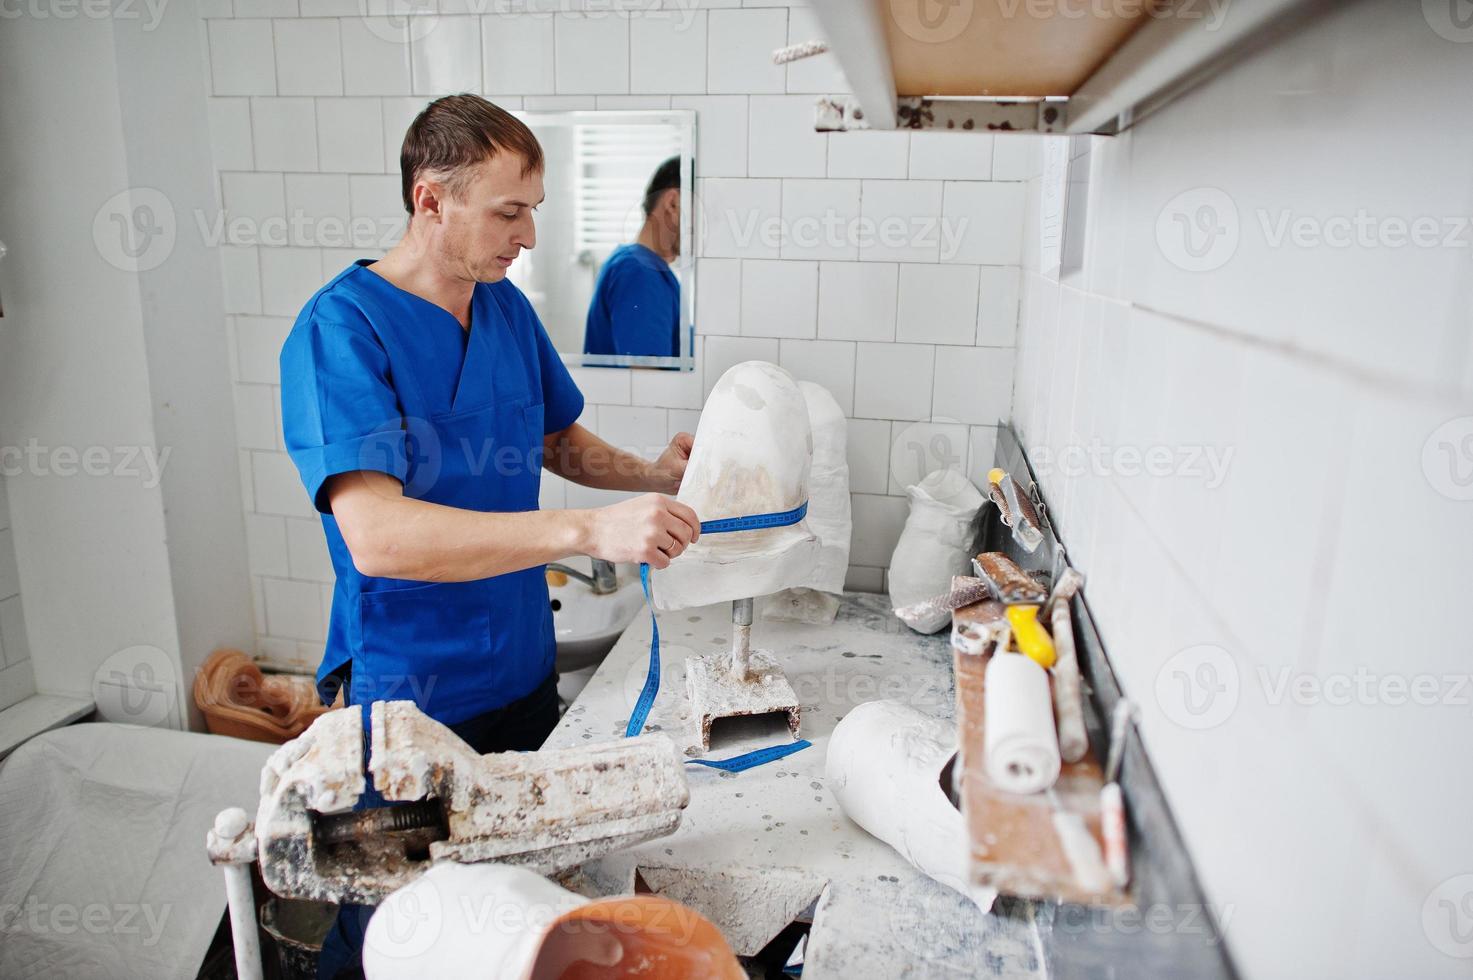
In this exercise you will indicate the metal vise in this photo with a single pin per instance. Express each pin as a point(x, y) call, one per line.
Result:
point(547, 811)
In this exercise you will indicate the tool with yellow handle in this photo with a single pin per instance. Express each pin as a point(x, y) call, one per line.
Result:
point(1032, 639)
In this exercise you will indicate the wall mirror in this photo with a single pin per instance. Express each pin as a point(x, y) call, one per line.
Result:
point(612, 276)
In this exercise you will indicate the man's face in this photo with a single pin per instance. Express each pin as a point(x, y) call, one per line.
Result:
point(485, 227)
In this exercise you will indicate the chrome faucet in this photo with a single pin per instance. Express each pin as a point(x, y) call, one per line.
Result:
point(603, 581)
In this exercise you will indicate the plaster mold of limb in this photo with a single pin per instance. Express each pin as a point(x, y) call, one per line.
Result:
point(488, 920)
point(885, 765)
point(752, 455)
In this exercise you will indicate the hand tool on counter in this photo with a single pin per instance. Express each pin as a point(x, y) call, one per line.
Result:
point(1016, 509)
point(1033, 640)
point(964, 591)
point(1112, 801)
point(1010, 584)
point(1068, 685)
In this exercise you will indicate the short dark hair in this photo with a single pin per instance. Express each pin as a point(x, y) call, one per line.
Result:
point(667, 177)
point(453, 134)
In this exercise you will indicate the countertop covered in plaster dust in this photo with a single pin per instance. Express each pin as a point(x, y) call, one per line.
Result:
point(880, 917)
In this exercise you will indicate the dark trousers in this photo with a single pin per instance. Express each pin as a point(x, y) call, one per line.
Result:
point(521, 726)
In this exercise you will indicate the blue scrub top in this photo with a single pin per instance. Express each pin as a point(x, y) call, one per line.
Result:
point(377, 378)
point(635, 307)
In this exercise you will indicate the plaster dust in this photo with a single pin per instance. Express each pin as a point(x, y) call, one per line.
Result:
point(879, 917)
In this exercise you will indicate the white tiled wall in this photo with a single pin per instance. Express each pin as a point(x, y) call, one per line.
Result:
point(913, 333)
point(1338, 540)
point(17, 681)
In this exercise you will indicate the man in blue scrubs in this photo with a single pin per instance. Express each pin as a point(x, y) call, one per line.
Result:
point(421, 399)
point(636, 302)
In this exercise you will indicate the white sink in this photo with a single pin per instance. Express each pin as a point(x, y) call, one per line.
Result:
point(586, 625)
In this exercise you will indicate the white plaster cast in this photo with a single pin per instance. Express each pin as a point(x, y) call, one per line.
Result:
point(752, 455)
point(885, 764)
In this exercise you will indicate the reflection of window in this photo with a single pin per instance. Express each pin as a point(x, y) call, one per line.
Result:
point(614, 164)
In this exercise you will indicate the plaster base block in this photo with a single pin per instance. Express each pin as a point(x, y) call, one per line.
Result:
point(716, 692)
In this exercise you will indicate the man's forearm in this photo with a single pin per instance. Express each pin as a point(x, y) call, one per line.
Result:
point(577, 454)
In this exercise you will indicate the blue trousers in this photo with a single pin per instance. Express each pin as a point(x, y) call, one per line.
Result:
point(521, 726)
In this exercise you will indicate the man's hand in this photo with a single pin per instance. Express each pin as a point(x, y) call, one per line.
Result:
point(651, 529)
point(667, 471)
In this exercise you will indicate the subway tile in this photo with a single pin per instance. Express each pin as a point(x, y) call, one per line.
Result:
point(668, 53)
point(266, 545)
point(277, 487)
point(376, 55)
point(9, 575)
point(893, 381)
point(981, 452)
point(517, 51)
point(782, 140)
point(294, 609)
point(553, 494)
point(636, 429)
point(820, 74)
point(240, 273)
point(722, 353)
point(869, 154)
point(251, 201)
point(857, 300)
point(942, 155)
point(4, 505)
point(209, 9)
point(331, 8)
point(376, 204)
point(902, 219)
point(993, 216)
point(309, 57)
point(868, 449)
point(920, 448)
point(289, 277)
point(997, 306)
point(266, 8)
point(242, 59)
point(350, 136)
point(819, 219)
point(255, 416)
point(602, 386)
point(247, 476)
point(721, 133)
point(258, 347)
point(683, 420)
point(829, 363)
point(973, 384)
point(592, 54)
point(554, 103)
point(398, 115)
point(230, 134)
point(318, 207)
point(779, 298)
point(938, 304)
point(671, 389)
point(742, 218)
point(285, 132)
point(446, 60)
point(634, 102)
point(740, 46)
point(1018, 156)
point(878, 521)
point(307, 553)
point(718, 297)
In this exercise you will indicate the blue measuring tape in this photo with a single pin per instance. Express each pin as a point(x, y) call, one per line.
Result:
point(651, 688)
point(750, 760)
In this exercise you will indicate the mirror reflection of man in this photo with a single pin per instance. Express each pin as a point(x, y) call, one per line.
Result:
point(636, 303)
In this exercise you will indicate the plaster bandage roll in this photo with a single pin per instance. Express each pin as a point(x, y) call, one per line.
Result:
point(1020, 745)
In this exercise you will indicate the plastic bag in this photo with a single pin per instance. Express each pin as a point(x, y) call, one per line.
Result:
point(935, 545)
